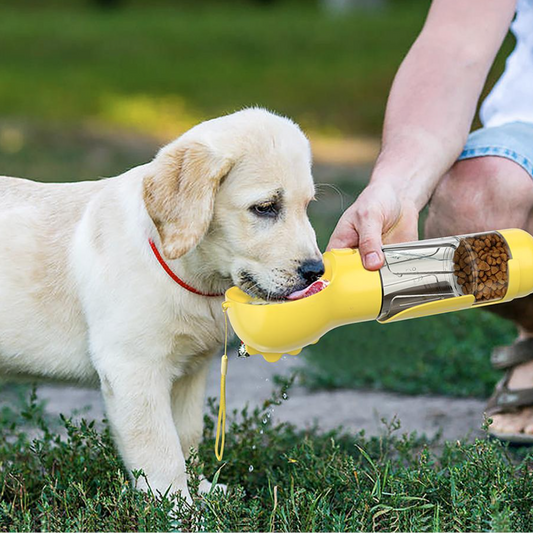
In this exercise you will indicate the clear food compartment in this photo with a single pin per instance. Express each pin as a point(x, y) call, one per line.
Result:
point(435, 269)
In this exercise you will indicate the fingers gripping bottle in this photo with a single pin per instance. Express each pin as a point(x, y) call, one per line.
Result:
point(418, 279)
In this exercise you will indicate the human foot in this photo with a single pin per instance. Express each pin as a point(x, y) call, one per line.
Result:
point(519, 421)
point(513, 423)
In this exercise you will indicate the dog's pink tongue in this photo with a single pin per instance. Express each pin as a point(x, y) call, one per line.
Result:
point(315, 287)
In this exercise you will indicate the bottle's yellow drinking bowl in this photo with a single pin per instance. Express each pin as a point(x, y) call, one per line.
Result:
point(279, 328)
point(418, 279)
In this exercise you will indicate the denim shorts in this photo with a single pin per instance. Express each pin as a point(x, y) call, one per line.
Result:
point(513, 141)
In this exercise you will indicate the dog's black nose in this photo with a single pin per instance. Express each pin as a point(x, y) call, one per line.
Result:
point(310, 271)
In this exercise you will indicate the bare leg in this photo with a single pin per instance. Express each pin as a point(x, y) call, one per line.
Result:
point(483, 194)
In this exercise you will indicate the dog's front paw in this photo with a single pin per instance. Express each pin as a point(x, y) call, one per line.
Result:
point(206, 486)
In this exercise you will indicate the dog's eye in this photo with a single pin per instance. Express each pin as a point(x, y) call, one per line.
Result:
point(268, 209)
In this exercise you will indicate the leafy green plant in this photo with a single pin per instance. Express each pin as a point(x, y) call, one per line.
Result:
point(69, 477)
point(188, 61)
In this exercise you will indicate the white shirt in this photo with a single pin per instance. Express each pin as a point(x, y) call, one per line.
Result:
point(511, 99)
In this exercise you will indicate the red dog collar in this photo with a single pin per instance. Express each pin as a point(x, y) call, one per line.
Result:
point(179, 281)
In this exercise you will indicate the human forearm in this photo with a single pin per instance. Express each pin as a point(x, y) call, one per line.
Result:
point(433, 100)
point(429, 112)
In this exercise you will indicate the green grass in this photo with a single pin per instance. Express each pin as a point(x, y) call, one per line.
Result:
point(446, 354)
point(161, 69)
point(68, 477)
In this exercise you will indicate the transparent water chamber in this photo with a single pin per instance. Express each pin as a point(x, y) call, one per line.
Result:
point(436, 269)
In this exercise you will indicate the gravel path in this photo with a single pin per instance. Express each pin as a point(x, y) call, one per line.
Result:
point(251, 381)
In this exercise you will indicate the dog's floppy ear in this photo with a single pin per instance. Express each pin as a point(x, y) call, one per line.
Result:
point(180, 194)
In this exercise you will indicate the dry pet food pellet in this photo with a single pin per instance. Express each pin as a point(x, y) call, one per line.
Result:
point(480, 266)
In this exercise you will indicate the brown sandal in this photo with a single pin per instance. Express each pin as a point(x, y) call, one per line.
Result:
point(505, 400)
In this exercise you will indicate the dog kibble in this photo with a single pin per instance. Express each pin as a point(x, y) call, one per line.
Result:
point(480, 266)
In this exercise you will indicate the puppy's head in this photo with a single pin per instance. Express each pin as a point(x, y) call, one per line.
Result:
point(236, 190)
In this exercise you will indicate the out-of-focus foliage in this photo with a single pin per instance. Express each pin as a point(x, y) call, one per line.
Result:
point(161, 68)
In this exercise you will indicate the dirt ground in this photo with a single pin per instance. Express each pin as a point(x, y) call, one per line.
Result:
point(251, 381)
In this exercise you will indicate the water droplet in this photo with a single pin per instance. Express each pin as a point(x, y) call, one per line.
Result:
point(267, 379)
point(261, 432)
point(254, 447)
point(251, 468)
point(284, 395)
point(265, 420)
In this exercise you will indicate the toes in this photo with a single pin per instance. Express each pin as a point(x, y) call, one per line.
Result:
point(508, 423)
point(520, 422)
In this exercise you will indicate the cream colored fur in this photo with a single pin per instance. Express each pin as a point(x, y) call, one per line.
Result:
point(83, 298)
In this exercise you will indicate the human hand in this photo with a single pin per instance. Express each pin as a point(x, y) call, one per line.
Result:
point(378, 215)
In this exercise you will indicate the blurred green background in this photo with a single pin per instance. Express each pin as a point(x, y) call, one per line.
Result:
point(91, 88)
point(159, 67)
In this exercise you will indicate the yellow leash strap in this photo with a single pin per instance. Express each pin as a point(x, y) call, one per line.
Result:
point(221, 424)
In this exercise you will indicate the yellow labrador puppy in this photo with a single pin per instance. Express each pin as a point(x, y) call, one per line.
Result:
point(120, 281)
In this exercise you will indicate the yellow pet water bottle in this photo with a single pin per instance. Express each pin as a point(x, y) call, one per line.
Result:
point(418, 279)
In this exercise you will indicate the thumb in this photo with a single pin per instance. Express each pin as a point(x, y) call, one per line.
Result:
point(370, 244)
